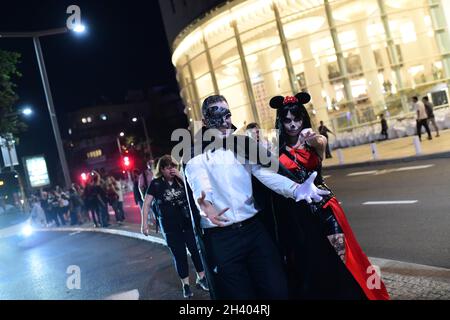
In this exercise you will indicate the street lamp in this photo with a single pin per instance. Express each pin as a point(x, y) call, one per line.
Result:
point(48, 94)
point(27, 111)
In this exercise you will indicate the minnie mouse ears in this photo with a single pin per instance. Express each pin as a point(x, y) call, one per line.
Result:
point(279, 101)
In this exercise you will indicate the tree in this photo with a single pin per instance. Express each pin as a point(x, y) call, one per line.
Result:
point(9, 119)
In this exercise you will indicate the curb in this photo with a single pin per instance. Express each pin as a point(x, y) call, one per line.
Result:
point(386, 265)
point(439, 155)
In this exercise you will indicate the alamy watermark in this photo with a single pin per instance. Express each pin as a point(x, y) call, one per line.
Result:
point(74, 20)
point(74, 279)
point(374, 280)
point(247, 149)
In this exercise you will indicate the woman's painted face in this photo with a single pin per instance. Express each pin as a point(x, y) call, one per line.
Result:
point(292, 125)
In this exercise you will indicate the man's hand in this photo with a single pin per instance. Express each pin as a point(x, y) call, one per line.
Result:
point(308, 191)
point(213, 215)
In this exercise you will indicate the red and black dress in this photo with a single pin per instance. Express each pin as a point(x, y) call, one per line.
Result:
point(323, 257)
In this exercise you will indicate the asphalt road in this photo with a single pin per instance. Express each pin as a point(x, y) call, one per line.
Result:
point(108, 265)
point(416, 232)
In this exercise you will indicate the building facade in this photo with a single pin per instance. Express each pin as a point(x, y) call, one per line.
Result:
point(357, 58)
point(146, 119)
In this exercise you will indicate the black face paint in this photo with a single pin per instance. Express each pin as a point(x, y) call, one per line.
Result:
point(215, 117)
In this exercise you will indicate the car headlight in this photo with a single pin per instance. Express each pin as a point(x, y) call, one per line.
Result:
point(27, 230)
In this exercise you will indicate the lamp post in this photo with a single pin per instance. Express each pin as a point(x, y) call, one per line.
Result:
point(48, 94)
point(147, 139)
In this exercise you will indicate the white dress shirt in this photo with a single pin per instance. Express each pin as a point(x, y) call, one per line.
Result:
point(419, 106)
point(227, 184)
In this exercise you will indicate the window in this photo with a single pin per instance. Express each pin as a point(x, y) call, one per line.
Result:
point(94, 154)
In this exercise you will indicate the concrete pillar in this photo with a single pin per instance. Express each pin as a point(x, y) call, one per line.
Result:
point(395, 66)
point(341, 62)
point(374, 88)
point(441, 33)
point(285, 48)
point(246, 74)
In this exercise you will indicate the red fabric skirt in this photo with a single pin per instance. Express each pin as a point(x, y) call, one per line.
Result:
point(356, 261)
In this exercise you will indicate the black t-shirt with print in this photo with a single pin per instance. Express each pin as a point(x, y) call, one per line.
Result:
point(171, 204)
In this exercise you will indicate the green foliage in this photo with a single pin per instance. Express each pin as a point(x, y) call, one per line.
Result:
point(9, 119)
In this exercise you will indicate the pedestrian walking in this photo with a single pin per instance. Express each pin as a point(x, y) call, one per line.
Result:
point(167, 192)
point(421, 118)
point(430, 113)
point(323, 130)
point(384, 128)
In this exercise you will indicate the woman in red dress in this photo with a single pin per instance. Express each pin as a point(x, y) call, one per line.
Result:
point(323, 257)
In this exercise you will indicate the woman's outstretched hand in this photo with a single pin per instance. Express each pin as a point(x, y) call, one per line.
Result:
point(308, 191)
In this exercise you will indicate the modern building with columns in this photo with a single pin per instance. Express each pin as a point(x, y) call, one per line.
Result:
point(356, 58)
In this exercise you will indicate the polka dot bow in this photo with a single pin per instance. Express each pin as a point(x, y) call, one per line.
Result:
point(290, 99)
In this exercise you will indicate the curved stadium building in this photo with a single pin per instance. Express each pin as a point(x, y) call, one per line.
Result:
point(357, 58)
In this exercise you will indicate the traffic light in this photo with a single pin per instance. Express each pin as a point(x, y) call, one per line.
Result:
point(127, 162)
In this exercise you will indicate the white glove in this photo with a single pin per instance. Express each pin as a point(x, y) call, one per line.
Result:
point(308, 191)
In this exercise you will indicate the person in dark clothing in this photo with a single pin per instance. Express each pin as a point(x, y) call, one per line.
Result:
point(168, 194)
point(323, 130)
point(430, 113)
point(384, 128)
point(136, 193)
point(75, 204)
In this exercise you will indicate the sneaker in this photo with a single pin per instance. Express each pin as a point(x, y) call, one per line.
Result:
point(203, 283)
point(187, 293)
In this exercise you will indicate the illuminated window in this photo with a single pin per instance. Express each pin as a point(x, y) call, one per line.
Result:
point(94, 154)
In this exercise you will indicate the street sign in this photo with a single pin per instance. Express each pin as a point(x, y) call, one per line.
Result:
point(8, 153)
point(37, 173)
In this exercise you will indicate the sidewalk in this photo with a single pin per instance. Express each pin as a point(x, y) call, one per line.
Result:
point(392, 151)
point(404, 281)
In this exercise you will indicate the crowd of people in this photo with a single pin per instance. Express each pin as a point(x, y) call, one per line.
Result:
point(80, 203)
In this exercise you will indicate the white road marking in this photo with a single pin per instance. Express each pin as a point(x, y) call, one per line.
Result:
point(415, 167)
point(74, 233)
point(361, 173)
point(384, 171)
point(128, 295)
point(390, 202)
point(326, 177)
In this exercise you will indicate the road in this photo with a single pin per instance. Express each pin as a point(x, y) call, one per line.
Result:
point(108, 265)
point(413, 226)
point(415, 231)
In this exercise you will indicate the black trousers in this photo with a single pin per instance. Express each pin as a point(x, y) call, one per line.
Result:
point(245, 263)
point(424, 123)
point(177, 241)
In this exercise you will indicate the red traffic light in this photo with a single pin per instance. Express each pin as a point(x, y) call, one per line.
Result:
point(127, 162)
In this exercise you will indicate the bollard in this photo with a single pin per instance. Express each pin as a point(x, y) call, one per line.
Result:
point(417, 145)
point(340, 156)
point(374, 149)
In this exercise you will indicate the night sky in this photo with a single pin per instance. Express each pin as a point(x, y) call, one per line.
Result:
point(125, 47)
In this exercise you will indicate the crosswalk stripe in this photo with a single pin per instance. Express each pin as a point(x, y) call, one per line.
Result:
point(390, 202)
point(414, 167)
point(361, 173)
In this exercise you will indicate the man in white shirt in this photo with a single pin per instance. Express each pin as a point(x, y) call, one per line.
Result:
point(244, 261)
point(422, 118)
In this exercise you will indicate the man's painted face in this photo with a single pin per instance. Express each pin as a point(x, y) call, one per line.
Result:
point(292, 125)
point(218, 116)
